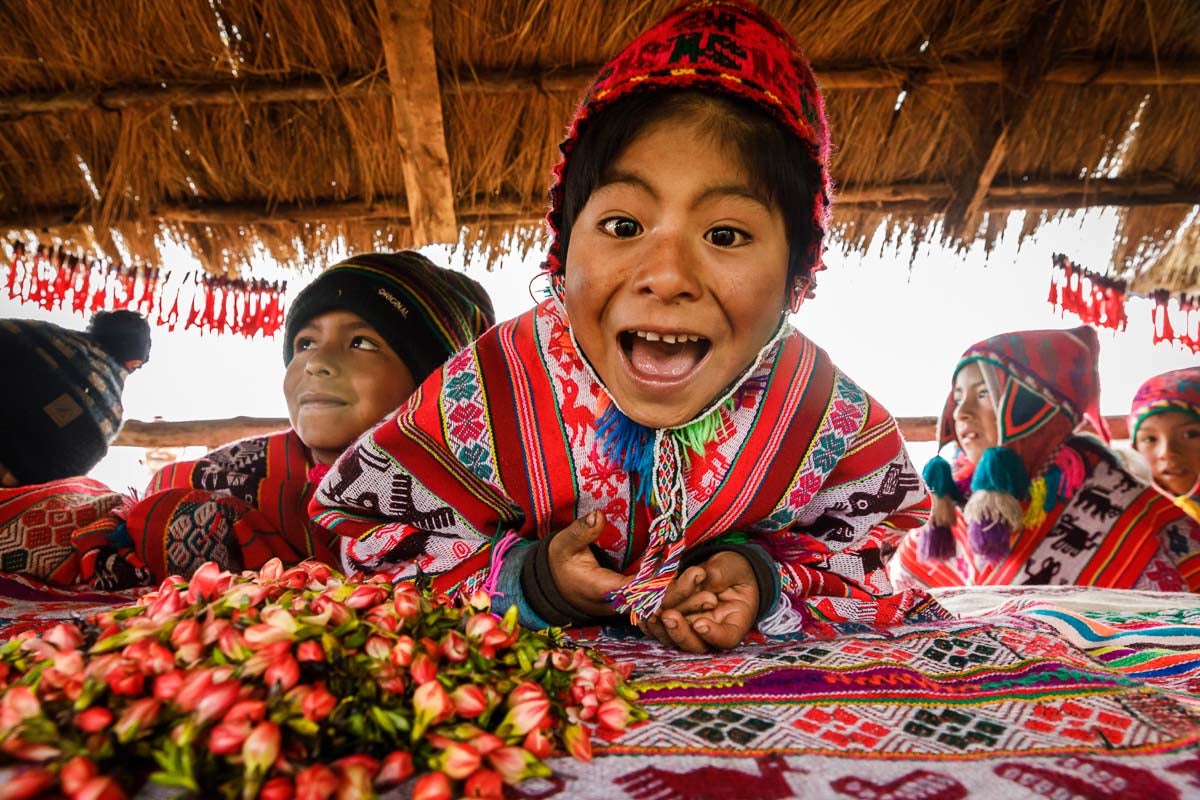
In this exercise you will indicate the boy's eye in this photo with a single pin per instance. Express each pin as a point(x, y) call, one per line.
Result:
point(363, 343)
point(727, 237)
point(620, 227)
point(303, 343)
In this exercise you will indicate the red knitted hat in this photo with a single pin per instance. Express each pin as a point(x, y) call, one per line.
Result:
point(722, 46)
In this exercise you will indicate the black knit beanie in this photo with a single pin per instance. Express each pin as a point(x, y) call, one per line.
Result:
point(64, 402)
point(424, 312)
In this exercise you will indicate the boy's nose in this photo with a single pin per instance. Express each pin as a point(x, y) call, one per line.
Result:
point(668, 268)
point(320, 362)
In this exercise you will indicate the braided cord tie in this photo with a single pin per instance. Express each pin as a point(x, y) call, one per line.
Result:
point(643, 594)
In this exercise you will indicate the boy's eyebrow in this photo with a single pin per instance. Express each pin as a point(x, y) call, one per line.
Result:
point(739, 190)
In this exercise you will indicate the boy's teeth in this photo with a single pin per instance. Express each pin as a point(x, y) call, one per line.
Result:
point(669, 338)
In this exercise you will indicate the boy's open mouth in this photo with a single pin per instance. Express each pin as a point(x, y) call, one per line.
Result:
point(663, 356)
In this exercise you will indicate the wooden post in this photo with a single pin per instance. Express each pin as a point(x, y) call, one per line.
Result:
point(406, 30)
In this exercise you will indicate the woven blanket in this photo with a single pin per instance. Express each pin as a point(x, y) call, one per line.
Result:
point(1049, 693)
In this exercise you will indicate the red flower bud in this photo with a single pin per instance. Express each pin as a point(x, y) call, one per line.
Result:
point(208, 582)
point(278, 788)
point(21, 702)
point(228, 738)
point(485, 783)
point(433, 786)
point(93, 719)
point(192, 689)
point(613, 714)
point(407, 602)
point(284, 673)
point(137, 716)
point(402, 651)
point(64, 636)
point(366, 596)
point(469, 701)
point(513, 763)
point(261, 748)
point(459, 760)
point(164, 604)
point(454, 647)
point(158, 659)
point(125, 680)
point(318, 704)
point(246, 711)
point(28, 782)
point(219, 698)
point(317, 782)
point(485, 743)
point(310, 650)
point(377, 648)
point(577, 742)
point(166, 686)
point(424, 669)
point(101, 787)
point(397, 766)
point(539, 743)
point(75, 773)
point(432, 705)
point(356, 774)
point(272, 570)
point(525, 692)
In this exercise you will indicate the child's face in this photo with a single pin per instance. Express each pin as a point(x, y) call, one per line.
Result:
point(1170, 442)
point(675, 274)
point(974, 413)
point(342, 380)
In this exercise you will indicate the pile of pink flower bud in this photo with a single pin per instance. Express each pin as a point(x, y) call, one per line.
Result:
point(296, 683)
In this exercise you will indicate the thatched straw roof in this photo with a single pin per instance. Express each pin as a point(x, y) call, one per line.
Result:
point(236, 126)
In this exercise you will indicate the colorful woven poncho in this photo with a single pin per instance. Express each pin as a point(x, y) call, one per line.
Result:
point(503, 439)
point(1178, 390)
point(37, 525)
point(240, 505)
point(1079, 517)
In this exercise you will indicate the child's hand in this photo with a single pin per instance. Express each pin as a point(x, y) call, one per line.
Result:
point(580, 578)
point(711, 605)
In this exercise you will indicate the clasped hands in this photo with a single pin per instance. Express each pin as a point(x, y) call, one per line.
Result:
point(711, 605)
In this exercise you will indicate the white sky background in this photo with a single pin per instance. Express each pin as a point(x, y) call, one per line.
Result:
point(896, 332)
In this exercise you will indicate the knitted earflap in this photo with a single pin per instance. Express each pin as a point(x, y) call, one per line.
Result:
point(936, 542)
point(993, 512)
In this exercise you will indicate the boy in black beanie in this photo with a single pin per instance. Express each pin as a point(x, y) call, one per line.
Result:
point(359, 339)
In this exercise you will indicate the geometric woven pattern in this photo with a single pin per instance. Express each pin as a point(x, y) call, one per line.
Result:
point(36, 524)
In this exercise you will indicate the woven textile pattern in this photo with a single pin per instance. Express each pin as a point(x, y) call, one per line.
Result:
point(37, 523)
point(239, 505)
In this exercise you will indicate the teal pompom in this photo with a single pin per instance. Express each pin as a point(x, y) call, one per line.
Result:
point(940, 479)
point(1001, 470)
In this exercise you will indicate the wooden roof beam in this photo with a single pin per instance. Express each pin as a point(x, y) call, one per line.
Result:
point(406, 31)
point(910, 198)
point(1025, 69)
point(308, 89)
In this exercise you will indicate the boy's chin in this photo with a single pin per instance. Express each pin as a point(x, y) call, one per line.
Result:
point(659, 415)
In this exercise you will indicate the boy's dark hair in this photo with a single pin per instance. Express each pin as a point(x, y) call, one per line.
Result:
point(774, 159)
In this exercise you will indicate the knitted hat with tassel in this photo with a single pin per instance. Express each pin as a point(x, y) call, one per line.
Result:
point(1042, 385)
